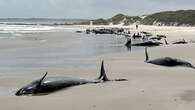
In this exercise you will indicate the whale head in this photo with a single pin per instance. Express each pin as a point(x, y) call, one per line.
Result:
point(27, 90)
point(32, 88)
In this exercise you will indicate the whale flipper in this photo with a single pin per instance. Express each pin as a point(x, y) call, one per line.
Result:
point(41, 80)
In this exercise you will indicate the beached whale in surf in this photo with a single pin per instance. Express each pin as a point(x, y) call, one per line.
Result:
point(177, 42)
point(144, 44)
point(46, 85)
point(180, 42)
point(168, 61)
point(148, 44)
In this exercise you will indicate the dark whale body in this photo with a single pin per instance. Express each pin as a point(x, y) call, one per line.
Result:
point(180, 42)
point(144, 44)
point(47, 85)
point(168, 61)
point(148, 44)
point(51, 84)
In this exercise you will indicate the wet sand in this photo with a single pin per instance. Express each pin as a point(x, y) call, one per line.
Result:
point(150, 87)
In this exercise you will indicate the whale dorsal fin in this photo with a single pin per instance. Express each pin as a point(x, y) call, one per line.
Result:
point(166, 42)
point(41, 80)
point(146, 52)
point(103, 73)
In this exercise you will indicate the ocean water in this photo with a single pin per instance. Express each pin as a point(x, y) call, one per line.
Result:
point(49, 46)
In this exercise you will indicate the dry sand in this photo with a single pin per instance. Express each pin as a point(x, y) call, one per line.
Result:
point(149, 87)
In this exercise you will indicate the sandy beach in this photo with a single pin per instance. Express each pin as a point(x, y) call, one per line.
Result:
point(149, 87)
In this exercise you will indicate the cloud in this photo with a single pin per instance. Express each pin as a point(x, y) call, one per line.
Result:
point(87, 8)
point(176, 2)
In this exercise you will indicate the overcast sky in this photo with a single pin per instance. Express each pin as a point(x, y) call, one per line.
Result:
point(87, 8)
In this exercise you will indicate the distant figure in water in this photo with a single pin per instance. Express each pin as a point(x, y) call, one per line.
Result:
point(128, 44)
point(136, 26)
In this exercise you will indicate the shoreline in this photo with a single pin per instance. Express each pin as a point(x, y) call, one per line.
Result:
point(148, 86)
point(133, 25)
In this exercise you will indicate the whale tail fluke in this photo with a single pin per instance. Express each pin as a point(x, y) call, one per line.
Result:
point(103, 76)
point(146, 53)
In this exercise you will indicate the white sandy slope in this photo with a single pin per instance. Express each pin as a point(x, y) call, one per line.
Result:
point(149, 87)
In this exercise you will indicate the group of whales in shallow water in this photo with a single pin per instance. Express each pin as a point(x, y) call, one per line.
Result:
point(151, 43)
point(164, 61)
point(148, 40)
point(47, 85)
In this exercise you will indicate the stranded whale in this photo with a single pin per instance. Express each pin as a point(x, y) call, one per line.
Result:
point(47, 85)
point(168, 61)
point(148, 43)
